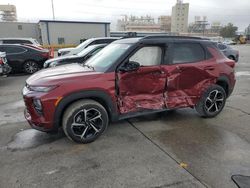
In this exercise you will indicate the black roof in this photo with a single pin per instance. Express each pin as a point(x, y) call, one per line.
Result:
point(159, 38)
point(173, 37)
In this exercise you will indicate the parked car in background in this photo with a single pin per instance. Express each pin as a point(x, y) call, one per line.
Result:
point(78, 58)
point(29, 41)
point(5, 69)
point(229, 42)
point(229, 52)
point(129, 78)
point(85, 44)
point(25, 58)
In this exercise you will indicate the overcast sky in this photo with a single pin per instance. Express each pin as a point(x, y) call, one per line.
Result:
point(224, 11)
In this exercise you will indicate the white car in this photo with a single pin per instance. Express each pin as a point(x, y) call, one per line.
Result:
point(28, 41)
point(4, 67)
point(85, 44)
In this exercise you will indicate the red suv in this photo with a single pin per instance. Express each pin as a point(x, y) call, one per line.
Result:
point(128, 78)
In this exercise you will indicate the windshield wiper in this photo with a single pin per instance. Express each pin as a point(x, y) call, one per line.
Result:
point(90, 67)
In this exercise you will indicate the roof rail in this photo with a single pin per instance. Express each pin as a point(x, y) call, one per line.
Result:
point(173, 36)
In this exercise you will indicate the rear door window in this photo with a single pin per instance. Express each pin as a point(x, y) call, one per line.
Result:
point(14, 50)
point(188, 53)
point(17, 42)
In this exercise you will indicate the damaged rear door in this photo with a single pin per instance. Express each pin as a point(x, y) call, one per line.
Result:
point(142, 89)
point(190, 72)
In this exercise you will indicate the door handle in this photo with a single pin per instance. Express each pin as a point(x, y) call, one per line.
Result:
point(209, 68)
point(157, 73)
point(180, 69)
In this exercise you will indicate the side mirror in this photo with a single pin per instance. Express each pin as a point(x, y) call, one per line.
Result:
point(130, 66)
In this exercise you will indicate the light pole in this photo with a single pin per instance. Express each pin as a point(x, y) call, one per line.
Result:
point(53, 12)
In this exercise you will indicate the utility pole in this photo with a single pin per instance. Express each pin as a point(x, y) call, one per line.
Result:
point(53, 11)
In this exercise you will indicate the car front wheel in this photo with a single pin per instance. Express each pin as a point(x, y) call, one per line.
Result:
point(84, 121)
point(212, 102)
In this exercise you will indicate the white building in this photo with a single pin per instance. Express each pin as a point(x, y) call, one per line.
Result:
point(54, 32)
point(179, 18)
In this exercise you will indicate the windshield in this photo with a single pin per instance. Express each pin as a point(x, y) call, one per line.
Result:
point(84, 44)
point(86, 51)
point(81, 46)
point(106, 57)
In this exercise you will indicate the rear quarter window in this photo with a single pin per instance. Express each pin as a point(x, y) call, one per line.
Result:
point(215, 52)
point(188, 53)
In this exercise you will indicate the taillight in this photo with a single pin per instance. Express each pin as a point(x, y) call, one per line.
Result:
point(230, 63)
point(1, 61)
point(45, 54)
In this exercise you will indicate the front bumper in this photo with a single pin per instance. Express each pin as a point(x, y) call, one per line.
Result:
point(40, 121)
point(38, 124)
point(5, 69)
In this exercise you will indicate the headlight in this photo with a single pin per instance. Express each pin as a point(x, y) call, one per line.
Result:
point(54, 64)
point(41, 88)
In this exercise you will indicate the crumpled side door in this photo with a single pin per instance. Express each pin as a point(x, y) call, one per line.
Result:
point(188, 80)
point(142, 89)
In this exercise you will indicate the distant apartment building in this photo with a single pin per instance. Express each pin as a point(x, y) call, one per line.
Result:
point(144, 24)
point(8, 13)
point(179, 18)
point(165, 23)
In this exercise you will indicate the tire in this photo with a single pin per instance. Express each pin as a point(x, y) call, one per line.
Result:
point(30, 67)
point(77, 123)
point(212, 102)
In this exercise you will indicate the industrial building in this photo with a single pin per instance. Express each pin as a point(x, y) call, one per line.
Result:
point(68, 32)
point(53, 32)
point(144, 24)
point(179, 18)
point(19, 30)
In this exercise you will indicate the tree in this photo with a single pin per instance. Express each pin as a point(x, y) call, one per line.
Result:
point(228, 31)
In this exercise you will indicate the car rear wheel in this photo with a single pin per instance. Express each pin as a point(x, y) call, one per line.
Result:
point(212, 102)
point(84, 121)
point(30, 67)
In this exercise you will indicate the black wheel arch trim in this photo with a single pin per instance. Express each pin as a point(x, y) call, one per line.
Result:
point(98, 95)
point(225, 79)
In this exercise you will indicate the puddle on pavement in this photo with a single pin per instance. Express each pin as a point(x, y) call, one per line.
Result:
point(243, 73)
point(31, 138)
point(241, 181)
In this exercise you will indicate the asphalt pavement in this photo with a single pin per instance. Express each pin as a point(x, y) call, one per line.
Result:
point(172, 149)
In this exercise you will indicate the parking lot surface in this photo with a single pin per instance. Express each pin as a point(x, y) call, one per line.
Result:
point(172, 149)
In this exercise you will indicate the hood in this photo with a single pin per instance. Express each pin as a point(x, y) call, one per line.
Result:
point(43, 77)
point(65, 49)
point(57, 59)
point(2, 54)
